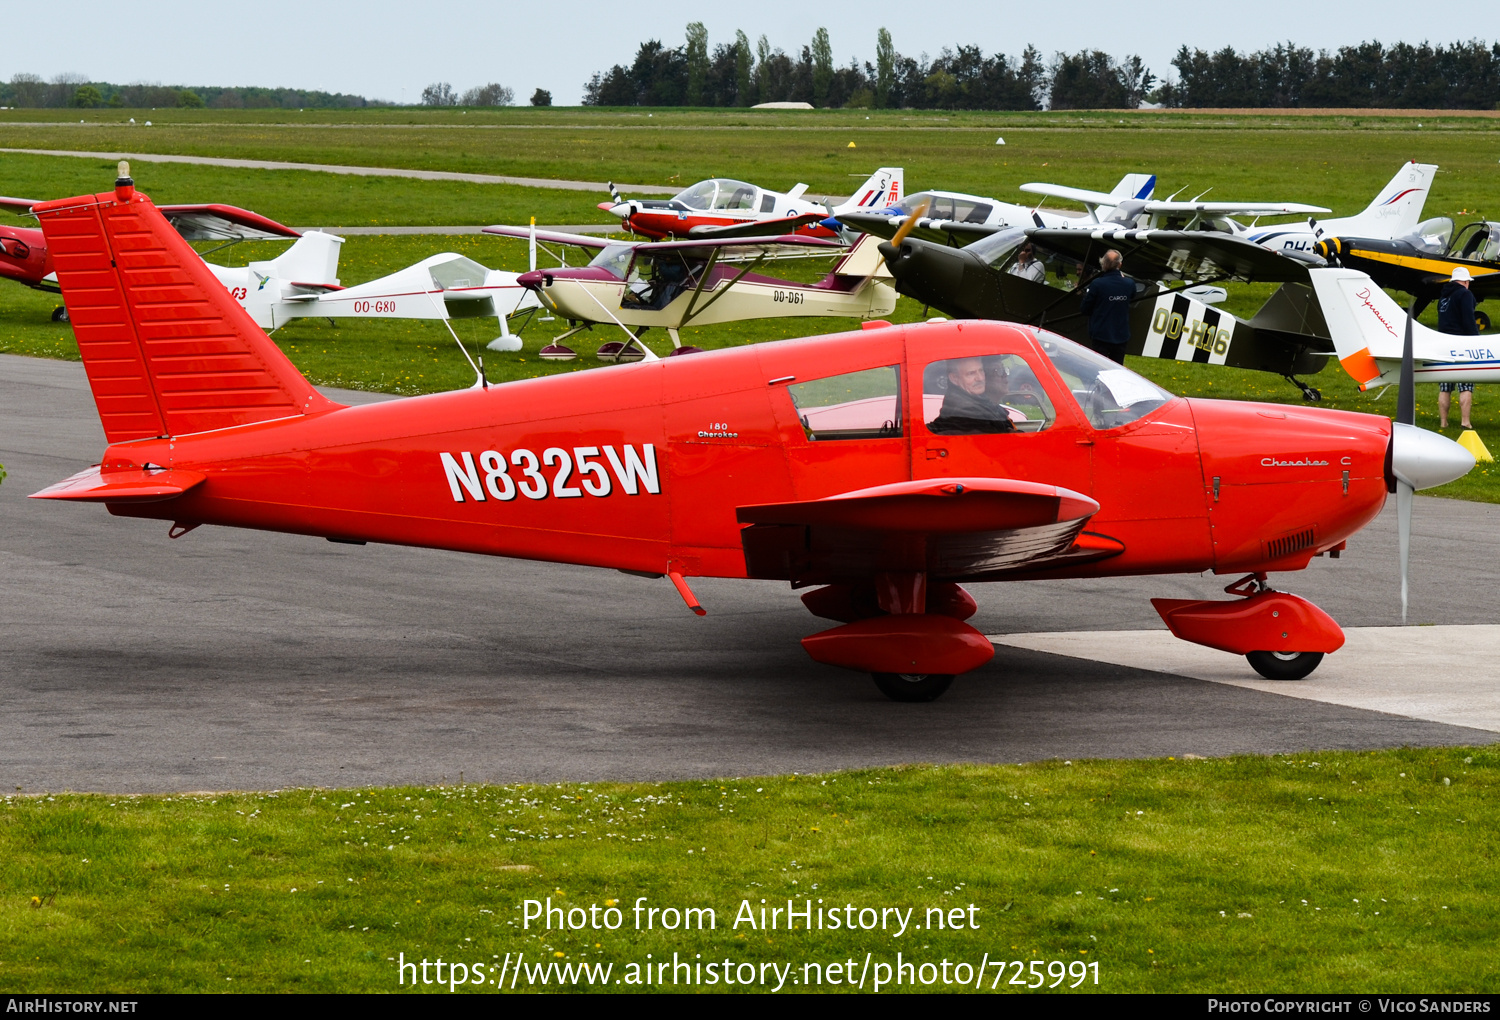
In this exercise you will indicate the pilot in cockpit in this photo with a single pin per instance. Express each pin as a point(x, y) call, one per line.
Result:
point(969, 408)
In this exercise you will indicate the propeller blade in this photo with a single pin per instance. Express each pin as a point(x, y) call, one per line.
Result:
point(896, 239)
point(1404, 498)
point(909, 225)
point(1406, 414)
point(1406, 394)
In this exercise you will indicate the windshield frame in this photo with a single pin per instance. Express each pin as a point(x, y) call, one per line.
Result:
point(1043, 338)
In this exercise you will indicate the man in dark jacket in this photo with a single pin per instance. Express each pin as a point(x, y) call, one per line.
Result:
point(1106, 302)
point(1456, 315)
point(967, 408)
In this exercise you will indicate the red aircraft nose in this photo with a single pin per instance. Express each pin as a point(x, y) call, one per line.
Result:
point(1285, 483)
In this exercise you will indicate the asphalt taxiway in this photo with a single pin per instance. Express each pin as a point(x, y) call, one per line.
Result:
point(241, 660)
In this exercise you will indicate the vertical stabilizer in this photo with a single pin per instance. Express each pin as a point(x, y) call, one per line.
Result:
point(1141, 186)
point(314, 259)
point(1395, 211)
point(168, 350)
point(885, 187)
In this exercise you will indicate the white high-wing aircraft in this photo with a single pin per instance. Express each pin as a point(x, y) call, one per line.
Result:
point(303, 283)
point(1393, 213)
point(721, 207)
point(954, 218)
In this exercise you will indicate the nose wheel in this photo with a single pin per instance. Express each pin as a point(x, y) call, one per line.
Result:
point(1284, 665)
point(912, 686)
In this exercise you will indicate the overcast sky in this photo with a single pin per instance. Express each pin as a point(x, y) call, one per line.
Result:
point(390, 50)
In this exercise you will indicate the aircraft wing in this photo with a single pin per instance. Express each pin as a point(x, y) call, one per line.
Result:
point(950, 232)
point(207, 222)
point(19, 206)
point(1080, 195)
point(1176, 254)
point(701, 249)
point(213, 222)
point(593, 241)
point(1242, 208)
point(759, 228)
point(952, 528)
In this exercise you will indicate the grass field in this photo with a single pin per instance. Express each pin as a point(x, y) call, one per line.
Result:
point(1336, 161)
point(1306, 873)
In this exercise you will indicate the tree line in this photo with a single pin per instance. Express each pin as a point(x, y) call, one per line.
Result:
point(76, 91)
point(1458, 76)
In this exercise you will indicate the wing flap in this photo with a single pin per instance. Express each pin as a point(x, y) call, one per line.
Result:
point(95, 485)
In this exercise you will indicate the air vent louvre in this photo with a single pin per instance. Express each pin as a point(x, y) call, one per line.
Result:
point(1276, 548)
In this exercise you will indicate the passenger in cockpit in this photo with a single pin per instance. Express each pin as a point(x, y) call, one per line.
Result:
point(968, 407)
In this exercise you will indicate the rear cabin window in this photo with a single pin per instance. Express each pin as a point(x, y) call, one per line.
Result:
point(985, 394)
point(859, 405)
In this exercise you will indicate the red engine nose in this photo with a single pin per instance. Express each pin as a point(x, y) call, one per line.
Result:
point(1285, 483)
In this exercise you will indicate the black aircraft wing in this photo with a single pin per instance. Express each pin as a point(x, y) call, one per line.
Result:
point(953, 233)
point(1169, 255)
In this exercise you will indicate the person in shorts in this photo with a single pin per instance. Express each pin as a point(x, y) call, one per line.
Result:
point(1456, 316)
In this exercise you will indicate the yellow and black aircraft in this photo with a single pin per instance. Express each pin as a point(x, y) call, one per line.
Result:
point(1421, 262)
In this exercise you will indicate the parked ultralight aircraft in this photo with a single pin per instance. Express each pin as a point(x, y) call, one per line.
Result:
point(885, 466)
point(1170, 317)
point(956, 219)
point(671, 284)
point(728, 208)
point(303, 283)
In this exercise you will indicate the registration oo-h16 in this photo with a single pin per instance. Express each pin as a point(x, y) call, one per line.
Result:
point(880, 469)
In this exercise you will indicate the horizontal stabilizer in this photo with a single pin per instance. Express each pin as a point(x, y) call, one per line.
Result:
point(131, 486)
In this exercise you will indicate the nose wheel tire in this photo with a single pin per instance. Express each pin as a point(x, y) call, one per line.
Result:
point(1284, 665)
point(912, 686)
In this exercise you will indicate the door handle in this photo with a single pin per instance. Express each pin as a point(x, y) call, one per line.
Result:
point(936, 452)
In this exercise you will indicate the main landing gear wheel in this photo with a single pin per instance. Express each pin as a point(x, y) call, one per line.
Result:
point(1482, 321)
point(60, 314)
point(912, 686)
point(1284, 665)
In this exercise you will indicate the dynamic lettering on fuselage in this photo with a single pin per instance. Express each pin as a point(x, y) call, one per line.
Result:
point(488, 476)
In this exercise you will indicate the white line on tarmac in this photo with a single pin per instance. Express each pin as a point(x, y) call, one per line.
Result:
point(358, 171)
point(1447, 674)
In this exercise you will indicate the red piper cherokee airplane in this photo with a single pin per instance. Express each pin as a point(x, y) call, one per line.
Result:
point(883, 466)
point(24, 257)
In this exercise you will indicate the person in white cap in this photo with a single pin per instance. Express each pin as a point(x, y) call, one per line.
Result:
point(1456, 315)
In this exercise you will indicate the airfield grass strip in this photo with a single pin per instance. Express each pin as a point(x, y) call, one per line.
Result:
point(1334, 871)
point(1338, 161)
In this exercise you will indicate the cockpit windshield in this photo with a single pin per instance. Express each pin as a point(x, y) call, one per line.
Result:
point(1110, 395)
point(999, 246)
point(718, 194)
point(1432, 235)
point(457, 273)
point(911, 203)
point(615, 259)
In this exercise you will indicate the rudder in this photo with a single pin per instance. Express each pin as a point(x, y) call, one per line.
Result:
point(167, 349)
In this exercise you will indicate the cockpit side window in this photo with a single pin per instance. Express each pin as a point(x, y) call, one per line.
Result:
point(1108, 395)
point(857, 405)
point(984, 394)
